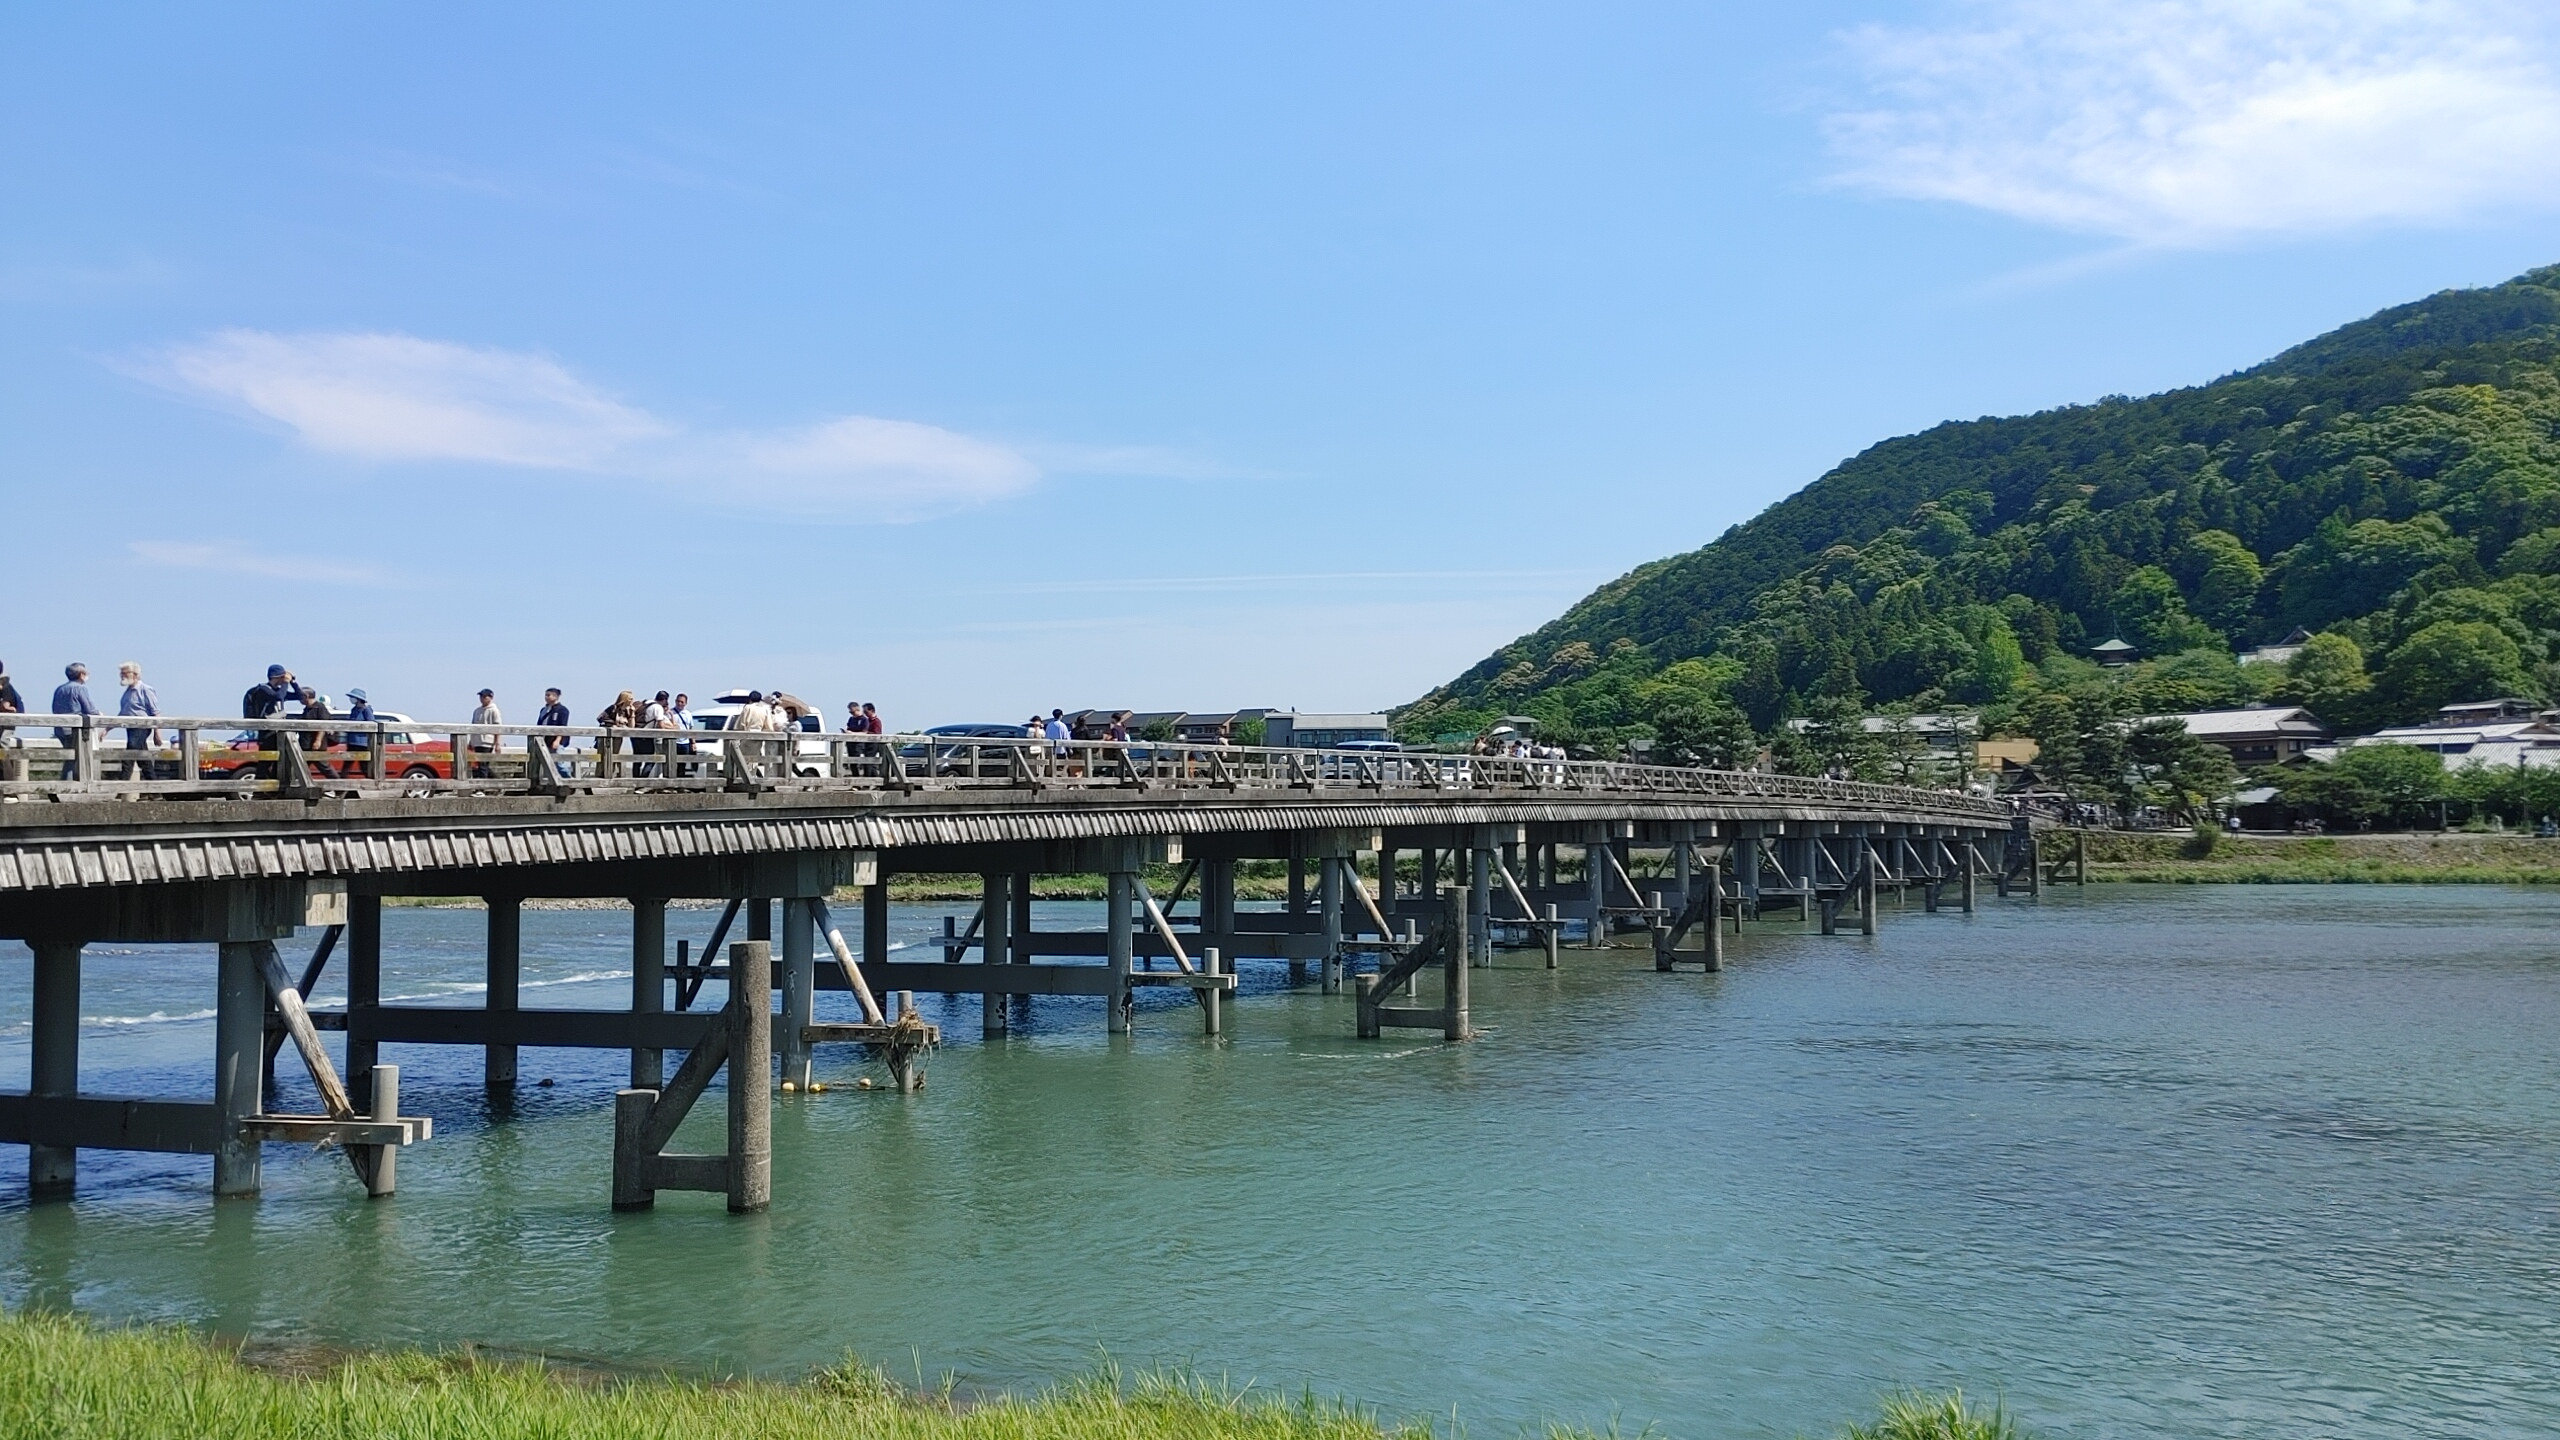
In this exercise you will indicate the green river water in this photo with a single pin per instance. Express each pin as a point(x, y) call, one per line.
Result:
point(2145, 1161)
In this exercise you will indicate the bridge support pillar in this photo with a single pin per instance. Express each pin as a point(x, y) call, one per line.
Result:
point(1715, 915)
point(1119, 911)
point(1967, 852)
point(1428, 876)
point(1595, 879)
point(875, 920)
point(364, 997)
point(1867, 886)
point(799, 991)
point(648, 982)
point(1297, 906)
point(506, 974)
point(995, 903)
point(1481, 858)
point(53, 1062)
point(1329, 896)
point(239, 1054)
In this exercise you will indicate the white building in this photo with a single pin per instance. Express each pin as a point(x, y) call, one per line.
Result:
point(2508, 743)
point(1317, 732)
point(2261, 735)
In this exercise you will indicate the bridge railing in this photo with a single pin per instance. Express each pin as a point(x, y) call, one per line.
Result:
point(164, 757)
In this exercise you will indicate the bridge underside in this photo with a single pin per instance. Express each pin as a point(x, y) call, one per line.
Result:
point(1403, 886)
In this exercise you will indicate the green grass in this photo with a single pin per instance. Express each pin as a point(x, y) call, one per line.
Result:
point(64, 1379)
point(1937, 1417)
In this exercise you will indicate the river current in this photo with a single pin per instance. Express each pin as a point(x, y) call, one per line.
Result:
point(2143, 1161)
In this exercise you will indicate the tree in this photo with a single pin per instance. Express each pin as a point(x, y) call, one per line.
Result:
point(1999, 662)
point(2153, 615)
point(2327, 674)
point(2223, 575)
point(1698, 731)
point(2450, 661)
point(2166, 766)
point(2388, 783)
point(2345, 569)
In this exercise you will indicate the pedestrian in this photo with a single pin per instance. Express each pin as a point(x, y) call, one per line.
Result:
point(138, 699)
point(853, 721)
point(1118, 733)
point(71, 697)
point(315, 706)
point(484, 746)
point(553, 712)
point(262, 701)
point(11, 703)
point(680, 716)
point(653, 716)
point(1058, 734)
point(871, 719)
point(622, 714)
point(359, 712)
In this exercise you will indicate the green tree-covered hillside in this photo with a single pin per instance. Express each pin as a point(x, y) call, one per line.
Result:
point(2393, 486)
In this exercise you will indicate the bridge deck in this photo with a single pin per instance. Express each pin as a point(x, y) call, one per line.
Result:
point(201, 834)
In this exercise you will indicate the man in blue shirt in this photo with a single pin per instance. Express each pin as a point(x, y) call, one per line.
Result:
point(71, 697)
point(359, 711)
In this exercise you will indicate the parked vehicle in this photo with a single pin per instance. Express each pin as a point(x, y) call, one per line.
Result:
point(941, 758)
point(809, 763)
point(406, 756)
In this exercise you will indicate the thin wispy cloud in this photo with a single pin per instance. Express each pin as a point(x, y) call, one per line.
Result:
point(1159, 584)
point(2196, 123)
point(390, 397)
point(233, 558)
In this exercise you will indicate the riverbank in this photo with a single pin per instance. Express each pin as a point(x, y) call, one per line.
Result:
point(2455, 858)
point(65, 1380)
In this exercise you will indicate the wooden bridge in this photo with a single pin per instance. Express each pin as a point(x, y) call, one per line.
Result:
point(200, 833)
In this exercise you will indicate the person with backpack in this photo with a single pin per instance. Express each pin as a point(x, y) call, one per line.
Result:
point(264, 701)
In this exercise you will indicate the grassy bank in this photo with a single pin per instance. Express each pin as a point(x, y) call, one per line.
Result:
point(2425, 859)
point(61, 1378)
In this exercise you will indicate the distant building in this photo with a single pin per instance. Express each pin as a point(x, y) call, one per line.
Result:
point(2114, 652)
point(2278, 653)
point(2485, 712)
point(2264, 735)
point(1945, 734)
point(2006, 754)
point(1201, 728)
point(2507, 744)
point(1288, 728)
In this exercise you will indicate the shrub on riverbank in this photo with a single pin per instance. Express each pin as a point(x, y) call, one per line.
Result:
point(2178, 858)
point(66, 1380)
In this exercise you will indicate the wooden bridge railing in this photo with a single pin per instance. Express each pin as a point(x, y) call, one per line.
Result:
point(75, 757)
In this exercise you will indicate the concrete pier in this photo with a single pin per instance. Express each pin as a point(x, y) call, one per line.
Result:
point(53, 1069)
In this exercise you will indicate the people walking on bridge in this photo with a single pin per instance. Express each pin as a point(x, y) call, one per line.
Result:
point(680, 717)
point(71, 697)
point(622, 714)
point(359, 711)
point(11, 703)
point(265, 700)
point(484, 747)
point(138, 699)
point(653, 716)
point(555, 713)
point(871, 719)
point(1058, 732)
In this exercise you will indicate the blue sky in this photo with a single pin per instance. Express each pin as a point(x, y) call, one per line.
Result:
point(977, 359)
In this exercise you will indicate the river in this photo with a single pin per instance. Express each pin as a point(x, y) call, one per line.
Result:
point(2146, 1161)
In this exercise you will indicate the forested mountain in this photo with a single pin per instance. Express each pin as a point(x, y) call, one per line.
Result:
point(2393, 486)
